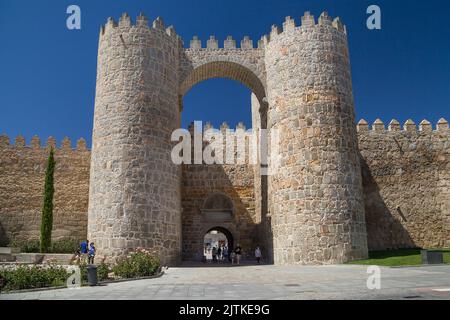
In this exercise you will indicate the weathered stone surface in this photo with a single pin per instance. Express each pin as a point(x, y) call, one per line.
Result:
point(315, 197)
point(234, 182)
point(22, 173)
point(313, 210)
point(406, 177)
point(134, 198)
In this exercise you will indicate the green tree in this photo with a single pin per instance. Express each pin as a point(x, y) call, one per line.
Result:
point(47, 209)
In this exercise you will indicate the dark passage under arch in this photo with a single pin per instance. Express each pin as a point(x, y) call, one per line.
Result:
point(226, 232)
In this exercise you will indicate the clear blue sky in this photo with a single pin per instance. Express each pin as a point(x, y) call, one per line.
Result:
point(47, 73)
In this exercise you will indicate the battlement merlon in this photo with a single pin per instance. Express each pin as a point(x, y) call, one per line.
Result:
point(125, 23)
point(409, 126)
point(35, 143)
point(308, 21)
point(140, 27)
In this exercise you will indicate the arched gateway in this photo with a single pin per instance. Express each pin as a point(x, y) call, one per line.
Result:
point(300, 78)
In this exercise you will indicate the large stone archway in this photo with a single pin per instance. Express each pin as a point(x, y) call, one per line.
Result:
point(243, 65)
point(300, 77)
point(246, 66)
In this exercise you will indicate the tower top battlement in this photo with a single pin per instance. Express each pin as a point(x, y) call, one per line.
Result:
point(307, 22)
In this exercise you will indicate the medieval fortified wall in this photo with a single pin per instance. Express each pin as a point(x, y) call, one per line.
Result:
point(340, 188)
point(406, 180)
point(22, 175)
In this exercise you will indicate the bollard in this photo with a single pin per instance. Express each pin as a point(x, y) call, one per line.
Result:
point(92, 275)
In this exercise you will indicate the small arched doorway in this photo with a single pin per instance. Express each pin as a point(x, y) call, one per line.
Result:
point(218, 237)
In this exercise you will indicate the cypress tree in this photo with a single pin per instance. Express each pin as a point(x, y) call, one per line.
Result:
point(47, 209)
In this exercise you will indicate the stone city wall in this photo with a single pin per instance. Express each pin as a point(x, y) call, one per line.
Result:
point(22, 175)
point(406, 179)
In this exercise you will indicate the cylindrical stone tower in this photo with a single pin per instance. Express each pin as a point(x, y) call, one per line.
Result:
point(315, 195)
point(134, 198)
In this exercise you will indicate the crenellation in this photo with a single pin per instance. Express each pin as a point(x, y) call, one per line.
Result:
point(378, 126)
point(51, 143)
point(142, 20)
point(240, 126)
point(307, 23)
point(195, 43)
point(325, 19)
point(394, 125)
point(262, 42)
point(362, 126)
point(224, 126)
point(110, 25)
point(81, 145)
point(207, 126)
point(158, 23)
point(212, 43)
point(308, 20)
point(274, 32)
point(170, 30)
point(442, 125)
point(288, 24)
point(409, 126)
point(124, 21)
point(337, 23)
point(66, 144)
point(229, 43)
point(425, 126)
point(35, 142)
point(4, 140)
point(20, 141)
point(246, 43)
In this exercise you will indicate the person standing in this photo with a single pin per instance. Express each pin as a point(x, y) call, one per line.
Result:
point(232, 257)
point(214, 254)
point(91, 254)
point(219, 252)
point(84, 247)
point(238, 253)
point(225, 253)
point(258, 254)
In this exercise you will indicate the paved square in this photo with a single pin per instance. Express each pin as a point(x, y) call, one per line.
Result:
point(190, 282)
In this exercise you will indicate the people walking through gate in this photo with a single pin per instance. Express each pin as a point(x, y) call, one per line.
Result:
point(258, 254)
point(214, 254)
point(225, 253)
point(219, 253)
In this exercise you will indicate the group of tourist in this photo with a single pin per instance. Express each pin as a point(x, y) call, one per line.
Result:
point(222, 253)
point(86, 252)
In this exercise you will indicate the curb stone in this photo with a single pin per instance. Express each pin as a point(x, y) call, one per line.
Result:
point(100, 283)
